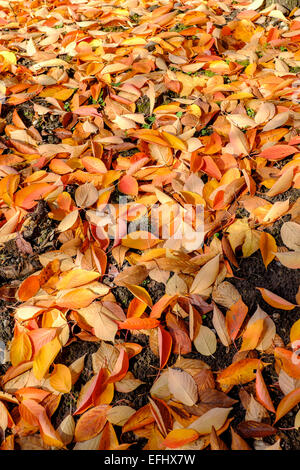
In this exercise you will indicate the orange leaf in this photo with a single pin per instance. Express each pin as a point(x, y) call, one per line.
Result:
point(295, 332)
point(77, 298)
point(41, 336)
point(161, 305)
point(36, 415)
point(29, 196)
point(140, 293)
point(91, 393)
point(36, 394)
point(274, 300)
point(140, 240)
point(136, 308)
point(76, 278)
point(174, 141)
point(45, 357)
point(140, 419)
point(59, 92)
point(109, 440)
point(94, 165)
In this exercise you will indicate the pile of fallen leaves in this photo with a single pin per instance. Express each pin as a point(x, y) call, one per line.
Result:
point(161, 103)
